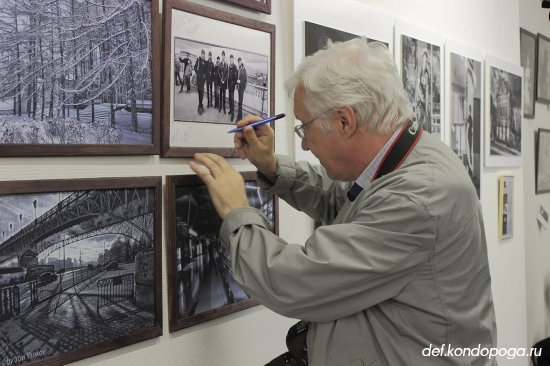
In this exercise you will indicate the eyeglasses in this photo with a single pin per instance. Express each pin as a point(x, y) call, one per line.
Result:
point(300, 130)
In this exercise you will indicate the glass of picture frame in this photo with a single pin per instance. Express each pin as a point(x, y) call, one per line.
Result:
point(200, 281)
point(226, 64)
point(81, 267)
point(543, 69)
point(88, 87)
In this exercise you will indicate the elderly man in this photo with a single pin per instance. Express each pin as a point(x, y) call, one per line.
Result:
point(400, 265)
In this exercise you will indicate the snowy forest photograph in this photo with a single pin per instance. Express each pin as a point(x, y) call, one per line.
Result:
point(76, 72)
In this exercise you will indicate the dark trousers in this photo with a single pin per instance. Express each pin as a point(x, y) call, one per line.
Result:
point(209, 95)
point(222, 97)
point(240, 111)
point(231, 100)
point(200, 88)
point(216, 95)
point(178, 78)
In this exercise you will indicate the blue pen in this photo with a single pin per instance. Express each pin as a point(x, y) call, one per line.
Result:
point(258, 123)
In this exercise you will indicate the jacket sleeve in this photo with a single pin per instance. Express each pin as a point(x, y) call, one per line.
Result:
point(306, 188)
point(342, 269)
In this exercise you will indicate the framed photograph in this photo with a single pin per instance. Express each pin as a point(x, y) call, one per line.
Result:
point(505, 207)
point(80, 78)
point(263, 6)
point(80, 267)
point(201, 285)
point(528, 46)
point(218, 67)
point(419, 55)
point(543, 69)
point(503, 133)
point(466, 107)
point(542, 161)
point(316, 21)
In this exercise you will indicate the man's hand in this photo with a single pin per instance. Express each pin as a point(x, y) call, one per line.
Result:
point(257, 145)
point(225, 184)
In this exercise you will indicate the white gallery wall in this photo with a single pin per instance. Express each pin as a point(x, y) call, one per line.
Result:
point(254, 336)
point(537, 239)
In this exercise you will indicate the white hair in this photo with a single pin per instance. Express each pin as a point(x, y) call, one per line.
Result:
point(355, 73)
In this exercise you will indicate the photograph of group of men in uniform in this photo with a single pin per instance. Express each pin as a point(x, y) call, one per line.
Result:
point(220, 80)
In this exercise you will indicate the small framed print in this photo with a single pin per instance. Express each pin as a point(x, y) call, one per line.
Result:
point(542, 161)
point(80, 270)
point(528, 46)
point(505, 207)
point(69, 88)
point(201, 285)
point(218, 67)
point(543, 69)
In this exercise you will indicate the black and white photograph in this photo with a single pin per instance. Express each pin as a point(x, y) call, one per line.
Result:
point(543, 69)
point(421, 75)
point(218, 68)
point(202, 283)
point(528, 48)
point(215, 84)
point(465, 110)
point(77, 72)
point(505, 112)
point(318, 36)
point(543, 161)
point(77, 270)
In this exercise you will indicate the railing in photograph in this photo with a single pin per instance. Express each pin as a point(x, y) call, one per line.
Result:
point(114, 290)
point(9, 302)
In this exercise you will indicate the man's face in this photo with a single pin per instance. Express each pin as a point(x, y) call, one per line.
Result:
point(223, 58)
point(202, 55)
point(231, 61)
point(322, 144)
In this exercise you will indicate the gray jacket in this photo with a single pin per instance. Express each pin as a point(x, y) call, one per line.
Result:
point(401, 268)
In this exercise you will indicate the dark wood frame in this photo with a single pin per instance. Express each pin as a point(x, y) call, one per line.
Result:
point(542, 99)
point(176, 322)
point(533, 36)
point(109, 149)
point(203, 11)
point(253, 4)
point(537, 159)
point(64, 185)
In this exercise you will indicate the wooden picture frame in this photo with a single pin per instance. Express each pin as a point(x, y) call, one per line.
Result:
point(528, 52)
point(542, 161)
point(259, 5)
point(194, 244)
point(543, 69)
point(102, 94)
point(88, 270)
point(192, 119)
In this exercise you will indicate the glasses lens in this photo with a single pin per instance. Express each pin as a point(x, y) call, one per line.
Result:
point(299, 131)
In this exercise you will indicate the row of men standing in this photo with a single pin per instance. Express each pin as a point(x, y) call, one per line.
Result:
point(221, 77)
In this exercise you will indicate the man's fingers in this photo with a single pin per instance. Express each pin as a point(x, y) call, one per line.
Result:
point(215, 163)
point(248, 119)
point(202, 171)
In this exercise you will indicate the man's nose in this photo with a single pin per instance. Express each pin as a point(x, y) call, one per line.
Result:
point(305, 147)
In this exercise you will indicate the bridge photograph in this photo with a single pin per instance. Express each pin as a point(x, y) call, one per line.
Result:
point(204, 284)
point(77, 270)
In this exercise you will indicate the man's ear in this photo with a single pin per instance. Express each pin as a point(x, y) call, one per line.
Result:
point(347, 120)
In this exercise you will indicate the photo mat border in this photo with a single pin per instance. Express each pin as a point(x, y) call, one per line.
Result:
point(215, 14)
